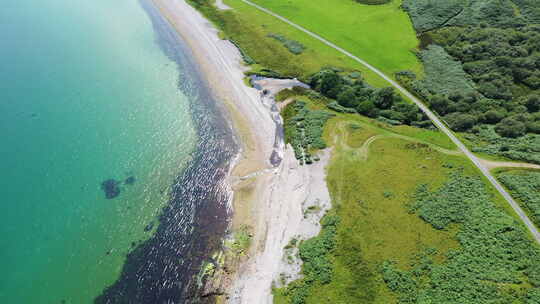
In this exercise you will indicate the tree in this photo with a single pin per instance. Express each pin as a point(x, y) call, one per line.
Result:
point(532, 102)
point(510, 127)
point(460, 121)
point(347, 98)
point(329, 83)
point(384, 98)
point(409, 111)
point(439, 103)
point(367, 108)
point(493, 116)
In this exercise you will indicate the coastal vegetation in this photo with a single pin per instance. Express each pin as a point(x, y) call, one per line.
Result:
point(416, 223)
point(304, 129)
point(412, 220)
point(355, 95)
point(524, 185)
point(241, 239)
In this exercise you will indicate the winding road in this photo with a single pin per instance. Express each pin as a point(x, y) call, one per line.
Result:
point(431, 115)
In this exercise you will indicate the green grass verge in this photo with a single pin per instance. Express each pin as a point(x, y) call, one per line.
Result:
point(380, 34)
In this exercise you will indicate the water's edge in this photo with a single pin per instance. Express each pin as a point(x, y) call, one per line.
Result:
point(192, 225)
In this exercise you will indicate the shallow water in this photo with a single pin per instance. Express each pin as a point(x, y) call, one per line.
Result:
point(96, 91)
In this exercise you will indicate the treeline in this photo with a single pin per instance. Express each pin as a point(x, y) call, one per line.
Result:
point(482, 70)
point(483, 76)
point(353, 94)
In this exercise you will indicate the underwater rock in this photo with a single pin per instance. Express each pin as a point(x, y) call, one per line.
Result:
point(111, 188)
point(130, 180)
point(149, 227)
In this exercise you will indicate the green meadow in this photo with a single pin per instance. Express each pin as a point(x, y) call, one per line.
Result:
point(389, 48)
point(382, 35)
point(408, 210)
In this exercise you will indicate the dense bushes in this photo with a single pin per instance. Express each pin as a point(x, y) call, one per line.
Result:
point(303, 129)
point(316, 267)
point(482, 66)
point(429, 14)
point(444, 75)
point(355, 94)
point(526, 148)
point(525, 186)
point(432, 14)
point(491, 87)
point(494, 250)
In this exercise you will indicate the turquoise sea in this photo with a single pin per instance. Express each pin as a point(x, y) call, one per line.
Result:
point(92, 91)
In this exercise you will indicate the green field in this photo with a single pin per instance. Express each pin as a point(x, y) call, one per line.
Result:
point(389, 245)
point(250, 29)
point(380, 34)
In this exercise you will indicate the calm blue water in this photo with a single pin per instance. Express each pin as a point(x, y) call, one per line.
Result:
point(86, 95)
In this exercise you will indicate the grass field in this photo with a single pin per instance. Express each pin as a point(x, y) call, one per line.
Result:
point(250, 28)
point(370, 196)
point(372, 189)
point(380, 34)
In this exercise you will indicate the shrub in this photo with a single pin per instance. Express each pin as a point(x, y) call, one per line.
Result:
point(304, 129)
point(460, 121)
point(525, 186)
point(293, 46)
point(495, 249)
point(510, 127)
point(444, 75)
point(316, 267)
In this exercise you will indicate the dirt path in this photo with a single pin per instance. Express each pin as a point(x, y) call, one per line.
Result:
point(431, 115)
point(490, 164)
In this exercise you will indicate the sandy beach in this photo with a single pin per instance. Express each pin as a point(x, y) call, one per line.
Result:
point(272, 192)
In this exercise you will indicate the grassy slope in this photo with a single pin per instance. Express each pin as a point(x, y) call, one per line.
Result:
point(380, 34)
point(371, 197)
point(250, 28)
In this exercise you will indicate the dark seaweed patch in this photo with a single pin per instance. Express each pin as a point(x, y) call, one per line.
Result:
point(130, 180)
point(149, 227)
point(111, 188)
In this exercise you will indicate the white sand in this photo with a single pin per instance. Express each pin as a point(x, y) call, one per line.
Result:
point(281, 194)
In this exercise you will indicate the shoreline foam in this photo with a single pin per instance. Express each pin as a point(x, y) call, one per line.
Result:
point(271, 190)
